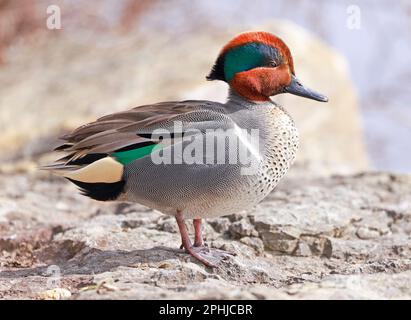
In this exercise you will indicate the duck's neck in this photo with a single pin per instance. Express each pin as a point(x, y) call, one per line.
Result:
point(241, 101)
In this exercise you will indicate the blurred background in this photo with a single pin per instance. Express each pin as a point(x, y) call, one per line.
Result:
point(63, 63)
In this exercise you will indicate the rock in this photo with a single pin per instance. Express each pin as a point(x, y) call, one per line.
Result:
point(221, 225)
point(302, 249)
point(55, 294)
point(255, 243)
point(370, 286)
point(167, 224)
point(367, 233)
point(310, 238)
point(242, 228)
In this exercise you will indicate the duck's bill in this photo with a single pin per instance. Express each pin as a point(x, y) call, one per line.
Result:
point(298, 89)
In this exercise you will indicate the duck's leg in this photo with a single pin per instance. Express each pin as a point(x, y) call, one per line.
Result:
point(200, 245)
point(186, 243)
point(198, 234)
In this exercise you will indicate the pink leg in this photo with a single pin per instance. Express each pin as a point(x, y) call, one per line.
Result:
point(198, 238)
point(186, 243)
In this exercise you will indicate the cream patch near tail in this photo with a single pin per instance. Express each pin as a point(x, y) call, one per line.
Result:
point(105, 170)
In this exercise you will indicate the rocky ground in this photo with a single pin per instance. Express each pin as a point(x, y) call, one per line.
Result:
point(339, 237)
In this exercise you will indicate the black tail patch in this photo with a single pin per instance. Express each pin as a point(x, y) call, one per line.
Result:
point(100, 191)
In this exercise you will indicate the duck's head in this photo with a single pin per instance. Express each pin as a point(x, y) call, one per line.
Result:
point(258, 65)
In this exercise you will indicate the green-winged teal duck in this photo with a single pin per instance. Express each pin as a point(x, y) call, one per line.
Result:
point(140, 155)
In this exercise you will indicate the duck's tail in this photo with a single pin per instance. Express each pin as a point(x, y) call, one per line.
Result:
point(99, 177)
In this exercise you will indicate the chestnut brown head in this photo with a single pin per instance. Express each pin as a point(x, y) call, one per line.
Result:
point(258, 65)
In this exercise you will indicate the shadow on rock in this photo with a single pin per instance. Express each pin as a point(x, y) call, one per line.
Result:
point(73, 258)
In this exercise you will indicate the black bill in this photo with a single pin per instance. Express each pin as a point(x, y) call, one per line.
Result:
point(298, 89)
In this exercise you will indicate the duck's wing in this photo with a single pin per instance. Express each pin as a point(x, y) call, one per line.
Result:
point(135, 127)
point(98, 151)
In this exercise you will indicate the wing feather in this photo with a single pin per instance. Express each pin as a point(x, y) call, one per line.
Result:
point(113, 132)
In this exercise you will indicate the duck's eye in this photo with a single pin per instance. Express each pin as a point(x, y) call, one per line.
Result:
point(272, 63)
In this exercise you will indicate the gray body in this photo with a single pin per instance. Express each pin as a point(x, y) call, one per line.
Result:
point(210, 190)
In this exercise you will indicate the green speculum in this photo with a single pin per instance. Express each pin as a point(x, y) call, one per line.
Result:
point(125, 157)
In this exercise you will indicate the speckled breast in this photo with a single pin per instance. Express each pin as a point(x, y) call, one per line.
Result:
point(279, 151)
